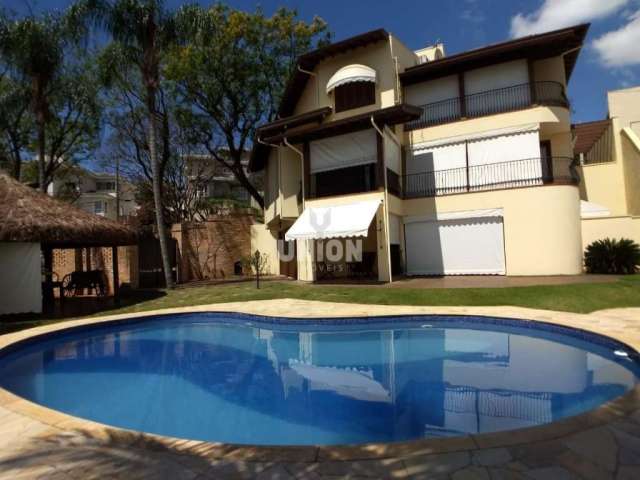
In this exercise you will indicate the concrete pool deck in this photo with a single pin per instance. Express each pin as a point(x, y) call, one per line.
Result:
point(36, 442)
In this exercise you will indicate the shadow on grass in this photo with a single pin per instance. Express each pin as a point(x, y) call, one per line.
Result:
point(76, 307)
point(108, 453)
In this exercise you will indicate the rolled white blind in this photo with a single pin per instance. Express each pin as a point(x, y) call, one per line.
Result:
point(519, 152)
point(433, 160)
point(392, 154)
point(342, 151)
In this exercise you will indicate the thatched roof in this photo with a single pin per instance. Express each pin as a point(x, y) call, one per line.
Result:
point(27, 215)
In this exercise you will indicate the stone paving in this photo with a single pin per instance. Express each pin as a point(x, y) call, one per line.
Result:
point(39, 443)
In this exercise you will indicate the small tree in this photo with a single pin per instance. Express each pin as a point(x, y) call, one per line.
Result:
point(612, 256)
point(257, 262)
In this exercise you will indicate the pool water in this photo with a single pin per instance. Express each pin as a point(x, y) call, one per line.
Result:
point(250, 380)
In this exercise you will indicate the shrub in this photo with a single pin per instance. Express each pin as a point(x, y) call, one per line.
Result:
point(612, 256)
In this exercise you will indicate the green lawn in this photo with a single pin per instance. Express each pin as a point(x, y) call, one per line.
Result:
point(582, 298)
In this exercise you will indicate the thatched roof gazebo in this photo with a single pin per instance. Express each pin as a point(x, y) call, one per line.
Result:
point(31, 221)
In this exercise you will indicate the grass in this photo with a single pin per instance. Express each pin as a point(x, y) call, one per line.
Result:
point(580, 298)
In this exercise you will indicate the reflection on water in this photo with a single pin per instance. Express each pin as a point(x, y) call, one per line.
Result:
point(248, 384)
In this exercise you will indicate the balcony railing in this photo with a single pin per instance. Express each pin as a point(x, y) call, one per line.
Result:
point(491, 102)
point(492, 176)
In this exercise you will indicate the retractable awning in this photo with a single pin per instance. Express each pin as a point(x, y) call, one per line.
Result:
point(456, 215)
point(351, 73)
point(334, 221)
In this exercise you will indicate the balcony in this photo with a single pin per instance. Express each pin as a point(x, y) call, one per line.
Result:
point(491, 102)
point(494, 176)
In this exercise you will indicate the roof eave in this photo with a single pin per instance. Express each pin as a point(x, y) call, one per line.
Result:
point(556, 42)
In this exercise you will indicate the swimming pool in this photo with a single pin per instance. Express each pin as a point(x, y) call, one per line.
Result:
point(245, 379)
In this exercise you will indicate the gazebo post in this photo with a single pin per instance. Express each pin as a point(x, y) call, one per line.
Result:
point(116, 276)
point(47, 254)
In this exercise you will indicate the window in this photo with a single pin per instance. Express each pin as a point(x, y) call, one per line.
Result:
point(354, 95)
point(105, 186)
point(100, 207)
point(358, 179)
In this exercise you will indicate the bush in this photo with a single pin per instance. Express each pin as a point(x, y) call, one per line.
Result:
point(612, 256)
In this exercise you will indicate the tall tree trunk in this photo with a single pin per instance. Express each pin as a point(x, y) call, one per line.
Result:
point(41, 153)
point(17, 162)
point(40, 108)
point(156, 182)
point(244, 181)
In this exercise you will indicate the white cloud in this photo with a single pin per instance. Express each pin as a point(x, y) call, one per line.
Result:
point(473, 16)
point(619, 48)
point(554, 14)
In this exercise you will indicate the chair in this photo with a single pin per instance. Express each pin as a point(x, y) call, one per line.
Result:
point(91, 280)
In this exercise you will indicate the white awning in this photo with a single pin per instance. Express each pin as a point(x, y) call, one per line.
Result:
point(443, 142)
point(593, 210)
point(457, 215)
point(334, 221)
point(351, 73)
point(343, 381)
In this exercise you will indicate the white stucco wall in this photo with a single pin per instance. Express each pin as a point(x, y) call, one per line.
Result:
point(20, 282)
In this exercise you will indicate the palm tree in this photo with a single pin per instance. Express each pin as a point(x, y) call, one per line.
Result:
point(142, 30)
point(34, 48)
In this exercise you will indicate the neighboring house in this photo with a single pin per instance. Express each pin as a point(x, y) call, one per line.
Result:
point(609, 154)
point(94, 192)
point(216, 181)
point(444, 165)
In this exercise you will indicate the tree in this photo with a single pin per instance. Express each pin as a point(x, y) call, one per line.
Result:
point(35, 49)
point(74, 126)
point(182, 181)
point(16, 126)
point(142, 31)
point(231, 67)
point(257, 262)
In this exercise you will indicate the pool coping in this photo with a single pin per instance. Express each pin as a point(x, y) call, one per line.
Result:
point(615, 410)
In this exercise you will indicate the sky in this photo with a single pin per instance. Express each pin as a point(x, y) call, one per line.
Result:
point(609, 60)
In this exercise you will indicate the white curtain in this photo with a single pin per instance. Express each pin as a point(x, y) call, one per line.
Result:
point(471, 246)
point(518, 156)
point(343, 151)
point(392, 153)
point(425, 166)
point(497, 88)
point(395, 224)
point(21, 282)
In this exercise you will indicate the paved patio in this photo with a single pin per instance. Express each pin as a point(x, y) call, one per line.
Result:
point(36, 442)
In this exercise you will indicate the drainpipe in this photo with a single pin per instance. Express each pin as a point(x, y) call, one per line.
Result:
point(277, 147)
point(396, 97)
point(309, 245)
point(317, 83)
point(385, 203)
point(301, 155)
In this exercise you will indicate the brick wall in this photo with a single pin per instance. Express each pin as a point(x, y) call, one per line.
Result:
point(66, 261)
point(209, 250)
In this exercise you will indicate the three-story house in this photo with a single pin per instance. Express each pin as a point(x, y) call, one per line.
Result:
point(440, 164)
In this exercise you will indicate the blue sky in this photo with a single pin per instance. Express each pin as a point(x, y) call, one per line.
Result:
point(609, 60)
